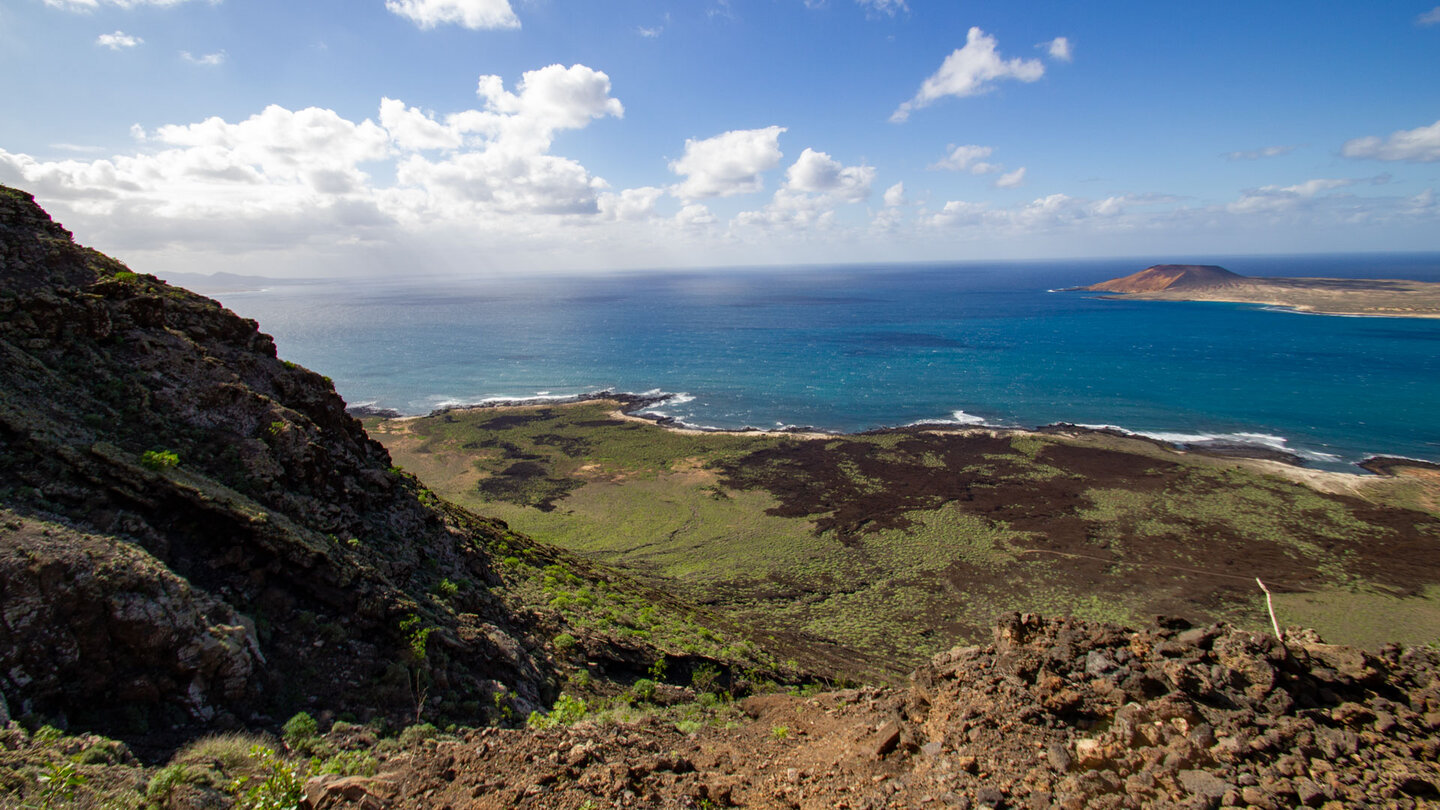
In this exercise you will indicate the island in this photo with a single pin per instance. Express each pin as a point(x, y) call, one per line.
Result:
point(1391, 298)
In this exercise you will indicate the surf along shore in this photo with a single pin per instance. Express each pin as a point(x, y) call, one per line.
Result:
point(884, 547)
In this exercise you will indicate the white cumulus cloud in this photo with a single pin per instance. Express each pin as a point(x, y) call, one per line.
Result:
point(288, 177)
point(472, 14)
point(1419, 145)
point(895, 196)
point(1011, 179)
point(818, 173)
point(1059, 49)
point(970, 71)
point(509, 170)
point(727, 164)
point(206, 60)
point(1431, 17)
point(695, 215)
point(632, 204)
point(414, 130)
point(118, 41)
point(968, 158)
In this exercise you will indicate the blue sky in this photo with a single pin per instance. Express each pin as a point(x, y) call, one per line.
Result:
point(472, 136)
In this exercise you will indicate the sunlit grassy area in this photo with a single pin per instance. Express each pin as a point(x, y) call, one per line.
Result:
point(946, 535)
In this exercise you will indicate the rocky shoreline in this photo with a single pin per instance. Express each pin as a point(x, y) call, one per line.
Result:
point(633, 405)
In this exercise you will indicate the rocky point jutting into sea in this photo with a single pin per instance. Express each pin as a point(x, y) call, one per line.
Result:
point(197, 540)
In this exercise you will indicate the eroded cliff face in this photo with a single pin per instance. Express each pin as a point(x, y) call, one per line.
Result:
point(198, 534)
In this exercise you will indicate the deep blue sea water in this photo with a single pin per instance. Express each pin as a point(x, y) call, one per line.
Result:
point(854, 348)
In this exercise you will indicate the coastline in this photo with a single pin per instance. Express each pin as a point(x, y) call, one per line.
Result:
point(1353, 298)
point(1261, 457)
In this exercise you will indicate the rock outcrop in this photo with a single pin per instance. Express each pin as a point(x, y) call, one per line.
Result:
point(198, 534)
point(1055, 713)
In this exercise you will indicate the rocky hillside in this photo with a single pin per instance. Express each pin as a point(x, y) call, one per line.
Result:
point(196, 535)
point(1162, 277)
point(1054, 713)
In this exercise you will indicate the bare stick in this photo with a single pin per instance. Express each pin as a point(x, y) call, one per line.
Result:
point(1270, 605)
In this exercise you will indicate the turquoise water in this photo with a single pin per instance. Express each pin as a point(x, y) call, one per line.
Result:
point(854, 348)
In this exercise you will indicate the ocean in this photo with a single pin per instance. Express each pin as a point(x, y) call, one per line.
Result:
point(861, 347)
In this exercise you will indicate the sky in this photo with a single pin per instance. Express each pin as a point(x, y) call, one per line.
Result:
point(356, 137)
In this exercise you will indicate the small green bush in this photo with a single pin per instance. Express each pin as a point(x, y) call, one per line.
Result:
point(159, 459)
point(58, 784)
point(643, 690)
point(126, 277)
point(48, 734)
point(299, 731)
point(418, 733)
point(350, 763)
point(418, 636)
point(280, 785)
point(164, 782)
point(563, 642)
point(566, 711)
point(705, 678)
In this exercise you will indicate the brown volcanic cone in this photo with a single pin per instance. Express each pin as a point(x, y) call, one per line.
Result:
point(1171, 277)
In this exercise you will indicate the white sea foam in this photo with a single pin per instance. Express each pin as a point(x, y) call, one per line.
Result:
point(1265, 440)
point(1294, 311)
point(667, 399)
point(442, 401)
point(538, 397)
point(956, 418)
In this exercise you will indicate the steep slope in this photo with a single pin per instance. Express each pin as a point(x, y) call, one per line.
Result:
point(200, 535)
point(1171, 277)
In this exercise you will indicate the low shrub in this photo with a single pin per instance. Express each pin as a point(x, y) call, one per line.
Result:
point(159, 459)
point(566, 711)
point(300, 732)
point(643, 690)
point(418, 733)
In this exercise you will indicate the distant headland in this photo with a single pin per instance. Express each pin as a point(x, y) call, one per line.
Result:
point(1393, 298)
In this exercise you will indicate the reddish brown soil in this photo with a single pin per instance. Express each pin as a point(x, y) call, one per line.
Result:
point(1054, 713)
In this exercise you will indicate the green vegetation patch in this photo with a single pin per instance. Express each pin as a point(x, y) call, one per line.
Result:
point(900, 543)
point(1361, 617)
